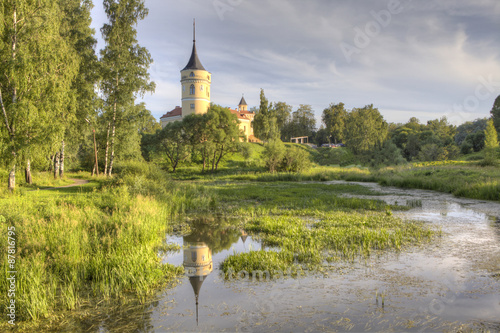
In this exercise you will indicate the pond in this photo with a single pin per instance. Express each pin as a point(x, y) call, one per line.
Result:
point(450, 284)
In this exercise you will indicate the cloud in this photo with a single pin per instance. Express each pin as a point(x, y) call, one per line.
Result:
point(428, 58)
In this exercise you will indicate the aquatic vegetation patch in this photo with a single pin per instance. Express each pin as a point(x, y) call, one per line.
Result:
point(340, 236)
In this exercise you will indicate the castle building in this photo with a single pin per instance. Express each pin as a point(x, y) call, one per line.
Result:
point(196, 84)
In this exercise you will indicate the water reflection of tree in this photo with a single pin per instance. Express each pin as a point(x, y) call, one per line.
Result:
point(218, 234)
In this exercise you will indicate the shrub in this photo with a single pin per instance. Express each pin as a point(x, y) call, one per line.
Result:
point(274, 152)
point(295, 160)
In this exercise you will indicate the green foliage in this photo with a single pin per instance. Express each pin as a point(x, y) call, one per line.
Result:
point(334, 118)
point(274, 152)
point(38, 67)
point(389, 154)
point(124, 68)
point(432, 152)
point(83, 99)
point(365, 129)
point(302, 123)
point(431, 142)
point(174, 141)
point(335, 156)
point(474, 142)
point(495, 114)
point(102, 241)
point(283, 112)
point(209, 137)
point(468, 128)
point(265, 123)
point(490, 144)
point(295, 159)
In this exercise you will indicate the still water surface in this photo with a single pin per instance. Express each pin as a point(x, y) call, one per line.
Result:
point(452, 284)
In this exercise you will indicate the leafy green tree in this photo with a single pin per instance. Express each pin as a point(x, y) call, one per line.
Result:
point(37, 68)
point(490, 143)
point(302, 123)
point(334, 118)
point(223, 131)
point(213, 135)
point(321, 136)
point(432, 152)
point(283, 113)
point(125, 65)
point(83, 102)
point(365, 129)
point(443, 130)
point(389, 154)
point(495, 114)
point(470, 127)
point(174, 142)
point(265, 123)
point(199, 138)
point(474, 141)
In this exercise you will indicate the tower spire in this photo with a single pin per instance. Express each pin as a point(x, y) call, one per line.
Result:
point(194, 62)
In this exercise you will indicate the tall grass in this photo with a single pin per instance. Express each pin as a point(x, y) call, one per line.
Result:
point(99, 244)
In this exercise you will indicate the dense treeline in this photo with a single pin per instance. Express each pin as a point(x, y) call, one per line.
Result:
point(56, 95)
point(369, 138)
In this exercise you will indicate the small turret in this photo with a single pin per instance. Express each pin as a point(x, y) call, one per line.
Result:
point(243, 106)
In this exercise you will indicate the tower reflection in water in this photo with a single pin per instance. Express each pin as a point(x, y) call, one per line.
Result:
point(198, 265)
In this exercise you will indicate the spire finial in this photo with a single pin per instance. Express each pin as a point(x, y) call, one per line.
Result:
point(194, 30)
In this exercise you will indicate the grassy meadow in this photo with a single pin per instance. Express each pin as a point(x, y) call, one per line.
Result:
point(102, 241)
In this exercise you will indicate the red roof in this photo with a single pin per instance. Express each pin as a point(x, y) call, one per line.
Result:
point(240, 114)
point(174, 113)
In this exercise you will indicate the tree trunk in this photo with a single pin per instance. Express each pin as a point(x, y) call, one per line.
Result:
point(12, 178)
point(61, 167)
point(56, 165)
point(204, 160)
point(220, 157)
point(27, 172)
point(96, 164)
point(112, 141)
point(12, 174)
point(107, 150)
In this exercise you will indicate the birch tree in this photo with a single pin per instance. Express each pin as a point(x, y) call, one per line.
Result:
point(124, 66)
point(37, 66)
point(82, 101)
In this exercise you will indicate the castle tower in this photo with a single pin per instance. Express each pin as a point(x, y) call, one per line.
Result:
point(195, 81)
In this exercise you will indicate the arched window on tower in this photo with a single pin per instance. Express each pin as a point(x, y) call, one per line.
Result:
point(191, 90)
point(192, 74)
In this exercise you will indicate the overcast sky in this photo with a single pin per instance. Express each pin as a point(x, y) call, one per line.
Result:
point(419, 58)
